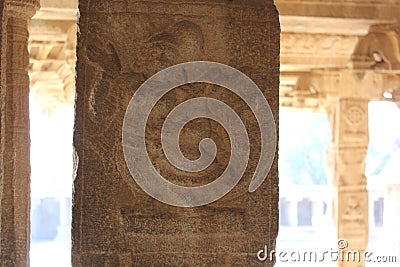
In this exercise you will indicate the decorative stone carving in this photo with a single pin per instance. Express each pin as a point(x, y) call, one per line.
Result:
point(354, 116)
point(123, 43)
point(347, 83)
point(317, 44)
point(349, 123)
point(299, 92)
point(52, 63)
point(379, 50)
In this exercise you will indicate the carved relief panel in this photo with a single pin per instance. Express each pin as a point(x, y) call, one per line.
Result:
point(123, 43)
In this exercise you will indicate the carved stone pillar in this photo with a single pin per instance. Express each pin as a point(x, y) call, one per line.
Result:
point(349, 122)
point(123, 43)
point(15, 158)
point(2, 88)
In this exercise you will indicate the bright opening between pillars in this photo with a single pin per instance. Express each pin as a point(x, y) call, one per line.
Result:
point(51, 185)
point(305, 198)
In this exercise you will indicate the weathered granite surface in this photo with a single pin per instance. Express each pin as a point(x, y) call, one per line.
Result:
point(120, 45)
point(14, 135)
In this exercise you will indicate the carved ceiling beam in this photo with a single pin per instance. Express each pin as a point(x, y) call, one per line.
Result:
point(51, 13)
point(360, 84)
point(306, 51)
point(354, 9)
point(309, 43)
point(321, 66)
point(313, 89)
point(328, 25)
point(52, 62)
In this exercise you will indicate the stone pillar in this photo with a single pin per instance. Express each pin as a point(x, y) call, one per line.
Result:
point(2, 89)
point(15, 158)
point(123, 43)
point(349, 121)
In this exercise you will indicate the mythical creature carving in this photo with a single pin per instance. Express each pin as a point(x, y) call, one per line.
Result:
point(380, 49)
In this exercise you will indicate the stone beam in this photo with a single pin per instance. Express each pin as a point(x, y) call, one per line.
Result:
point(314, 89)
point(354, 9)
point(307, 51)
point(63, 4)
point(56, 14)
point(316, 42)
point(327, 25)
point(52, 62)
point(335, 35)
point(371, 70)
point(364, 84)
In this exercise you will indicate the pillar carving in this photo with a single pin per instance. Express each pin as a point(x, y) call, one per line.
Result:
point(123, 43)
point(2, 88)
point(379, 49)
point(346, 155)
point(15, 166)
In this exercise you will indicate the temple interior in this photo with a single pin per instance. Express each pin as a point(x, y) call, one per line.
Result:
point(330, 71)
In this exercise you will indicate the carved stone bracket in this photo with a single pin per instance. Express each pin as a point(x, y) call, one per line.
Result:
point(306, 51)
point(379, 50)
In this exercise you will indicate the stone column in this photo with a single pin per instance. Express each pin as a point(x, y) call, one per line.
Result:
point(15, 158)
point(123, 43)
point(349, 121)
point(2, 89)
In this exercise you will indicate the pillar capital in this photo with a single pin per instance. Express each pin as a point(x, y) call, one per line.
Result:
point(24, 9)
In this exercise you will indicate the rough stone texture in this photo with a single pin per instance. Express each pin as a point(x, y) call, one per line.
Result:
point(2, 87)
point(121, 44)
point(15, 167)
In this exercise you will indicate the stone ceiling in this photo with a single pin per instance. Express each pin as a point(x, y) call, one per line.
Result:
point(328, 47)
point(52, 45)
